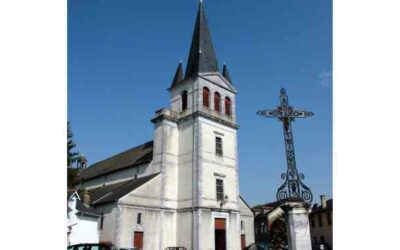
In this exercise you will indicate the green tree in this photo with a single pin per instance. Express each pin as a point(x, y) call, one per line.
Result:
point(73, 178)
point(71, 156)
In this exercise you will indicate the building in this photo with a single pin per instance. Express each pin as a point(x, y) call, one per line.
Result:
point(82, 223)
point(182, 188)
point(321, 223)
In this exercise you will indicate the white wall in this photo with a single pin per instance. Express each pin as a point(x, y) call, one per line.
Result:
point(246, 215)
point(81, 228)
point(85, 231)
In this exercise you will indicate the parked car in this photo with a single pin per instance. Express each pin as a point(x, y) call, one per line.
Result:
point(92, 246)
point(175, 248)
point(259, 246)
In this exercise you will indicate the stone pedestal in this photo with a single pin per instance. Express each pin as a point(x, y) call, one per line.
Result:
point(297, 225)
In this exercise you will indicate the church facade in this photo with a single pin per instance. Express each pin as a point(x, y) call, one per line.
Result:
point(182, 188)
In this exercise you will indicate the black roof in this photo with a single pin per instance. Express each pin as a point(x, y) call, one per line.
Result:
point(113, 192)
point(91, 211)
point(178, 75)
point(202, 57)
point(225, 73)
point(131, 157)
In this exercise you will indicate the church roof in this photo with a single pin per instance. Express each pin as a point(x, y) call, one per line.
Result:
point(129, 158)
point(202, 57)
point(178, 75)
point(113, 192)
point(82, 209)
point(225, 73)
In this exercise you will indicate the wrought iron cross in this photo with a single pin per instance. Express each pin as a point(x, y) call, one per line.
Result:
point(293, 186)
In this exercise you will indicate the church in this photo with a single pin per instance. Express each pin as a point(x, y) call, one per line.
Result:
point(180, 189)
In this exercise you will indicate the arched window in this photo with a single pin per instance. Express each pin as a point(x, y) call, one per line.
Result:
point(139, 218)
point(184, 100)
point(206, 97)
point(217, 102)
point(228, 106)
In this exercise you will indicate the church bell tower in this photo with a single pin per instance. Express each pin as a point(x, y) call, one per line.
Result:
point(195, 148)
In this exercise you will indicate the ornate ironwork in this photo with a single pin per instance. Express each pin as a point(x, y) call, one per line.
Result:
point(292, 186)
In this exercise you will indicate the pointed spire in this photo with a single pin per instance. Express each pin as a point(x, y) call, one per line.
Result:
point(225, 73)
point(178, 75)
point(202, 57)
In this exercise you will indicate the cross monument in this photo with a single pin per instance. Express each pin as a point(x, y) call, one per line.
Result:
point(292, 186)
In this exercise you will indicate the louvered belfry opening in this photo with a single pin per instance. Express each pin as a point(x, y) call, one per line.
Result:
point(217, 102)
point(206, 97)
point(228, 106)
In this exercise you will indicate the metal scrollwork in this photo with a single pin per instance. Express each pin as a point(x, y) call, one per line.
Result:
point(293, 186)
point(282, 193)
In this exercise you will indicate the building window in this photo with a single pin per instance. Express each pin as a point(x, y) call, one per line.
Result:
point(312, 223)
point(217, 102)
point(184, 100)
point(220, 189)
point(328, 218)
point(320, 220)
point(242, 225)
point(139, 218)
point(228, 106)
point(206, 97)
point(101, 221)
point(218, 146)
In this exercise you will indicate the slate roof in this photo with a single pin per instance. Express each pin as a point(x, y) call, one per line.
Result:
point(91, 211)
point(178, 75)
point(202, 57)
point(114, 192)
point(225, 73)
point(131, 157)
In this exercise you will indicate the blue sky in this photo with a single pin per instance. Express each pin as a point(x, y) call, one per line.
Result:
point(122, 56)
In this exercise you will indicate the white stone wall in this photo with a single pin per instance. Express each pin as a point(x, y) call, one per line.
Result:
point(84, 231)
point(298, 229)
point(213, 167)
point(110, 223)
point(247, 216)
point(165, 159)
point(185, 173)
point(81, 228)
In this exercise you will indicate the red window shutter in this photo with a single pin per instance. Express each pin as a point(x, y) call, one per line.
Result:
point(206, 94)
point(228, 106)
point(217, 100)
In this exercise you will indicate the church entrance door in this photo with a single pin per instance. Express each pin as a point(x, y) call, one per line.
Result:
point(138, 240)
point(220, 234)
point(243, 241)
